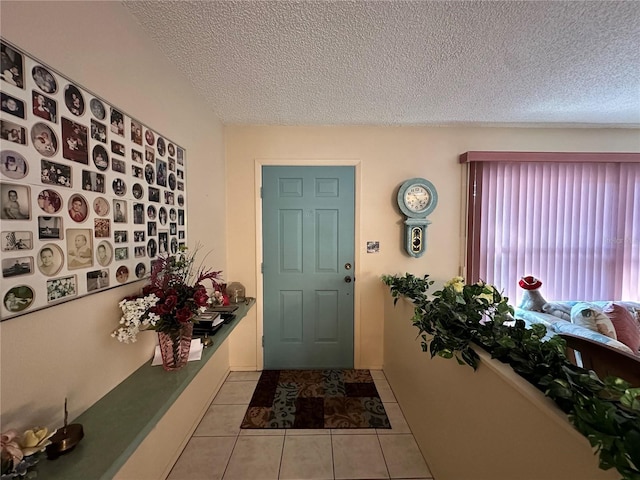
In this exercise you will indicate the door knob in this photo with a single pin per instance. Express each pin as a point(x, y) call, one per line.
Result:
point(347, 279)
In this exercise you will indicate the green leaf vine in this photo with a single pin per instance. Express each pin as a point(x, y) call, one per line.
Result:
point(451, 320)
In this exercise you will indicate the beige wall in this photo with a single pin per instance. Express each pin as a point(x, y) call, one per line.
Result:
point(66, 351)
point(384, 157)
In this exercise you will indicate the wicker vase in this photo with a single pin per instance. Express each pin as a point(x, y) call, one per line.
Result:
point(174, 347)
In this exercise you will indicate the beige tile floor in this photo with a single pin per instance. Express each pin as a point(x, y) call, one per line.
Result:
point(219, 449)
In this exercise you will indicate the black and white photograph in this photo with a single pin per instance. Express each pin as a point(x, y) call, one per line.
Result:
point(174, 245)
point(136, 156)
point(13, 165)
point(13, 267)
point(100, 157)
point(44, 79)
point(141, 270)
point(102, 227)
point(150, 137)
point(97, 280)
point(138, 213)
point(154, 194)
point(79, 248)
point(161, 173)
point(136, 132)
point(98, 131)
point(173, 215)
point(180, 156)
point(117, 122)
point(97, 109)
point(180, 217)
point(101, 206)
point(50, 259)
point(15, 241)
point(172, 164)
point(122, 253)
point(74, 141)
point(172, 181)
point(180, 186)
point(151, 212)
point(119, 187)
point(163, 242)
point(12, 132)
point(122, 274)
point(138, 236)
point(161, 146)
point(181, 234)
point(180, 200)
point(171, 148)
point(118, 148)
point(74, 100)
point(11, 66)
point(104, 253)
point(137, 190)
point(49, 201)
point(152, 248)
point(149, 174)
point(15, 201)
point(18, 298)
point(120, 236)
point(169, 198)
point(136, 171)
point(162, 216)
point(44, 107)
point(53, 173)
point(180, 174)
point(139, 252)
point(152, 229)
point(118, 165)
point(173, 228)
point(149, 154)
point(93, 181)
point(119, 211)
point(12, 105)
point(50, 228)
point(44, 139)
point(61, 288)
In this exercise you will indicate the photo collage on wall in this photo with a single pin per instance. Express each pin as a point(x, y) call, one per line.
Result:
point(89, 196)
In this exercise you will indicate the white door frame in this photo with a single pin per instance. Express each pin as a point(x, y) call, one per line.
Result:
point(259, 163)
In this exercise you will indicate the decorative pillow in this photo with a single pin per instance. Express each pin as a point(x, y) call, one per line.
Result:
point(558, 309)
point(626, 329)
point(590, 316)
point(566, 327)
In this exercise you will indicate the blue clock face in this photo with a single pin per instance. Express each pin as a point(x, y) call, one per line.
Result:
point(417, 198)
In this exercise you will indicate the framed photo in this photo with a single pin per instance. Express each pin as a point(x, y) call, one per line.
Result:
point(79, 248)
point(104, 253)
point(169, 198)
point(173, 228)
point(138, 213)
point(152, 248)
point(118, 165)
point(119, 211)
point(97, 109)
point(172, 181)
point(18, 298)
point(44, 139)
point(162, 216)
point(74, 100)
point(149, 174)
point(92, 181)
point(154, 194)
point(15, 241)
point(15, 201)
point(49, 201)
point(117, 148)
point(100, 157)
point(120, 236)
point(172, 164)
point(12, 132)
point(137, 191)
point(180, 200)
point(12, 105)
point(122, 274)
point(151, 212)
point(138, 236)
point(160, 144)
point(161, 175)
point(50, 228)
point(163, 242)
point(136, 156)
point(101, 206)
point(97, 280)
point(180, 156)
point(50, 259)
point(152, 229)
point(119, 187)
point(180, 217)
point(13, 165)
point(61, 288)
point(139, 252)
point(78, 208)
point(122, 253)
point(117, 122)
point(141, 270)
point(136, 132)
point(149, 154)
point(136, 171)
point(53, 173)
point(174, 245)
point(150, 137)
point(12, 66)
point(44, 79)
point(74, 141)
point(98, 131)
point(102, 227)
point(13, 267)
point(44, 107)
point(181, 234)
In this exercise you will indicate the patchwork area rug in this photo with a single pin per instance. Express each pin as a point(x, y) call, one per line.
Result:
point(315, 399)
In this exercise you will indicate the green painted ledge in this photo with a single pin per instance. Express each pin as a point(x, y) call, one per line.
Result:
point(117, 424)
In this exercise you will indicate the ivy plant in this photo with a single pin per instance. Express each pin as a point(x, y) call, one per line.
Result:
point(453, 319)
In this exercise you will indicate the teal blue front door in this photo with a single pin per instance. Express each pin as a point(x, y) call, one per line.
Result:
point(308, 257)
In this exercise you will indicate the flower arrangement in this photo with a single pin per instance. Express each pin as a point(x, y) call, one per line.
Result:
point(20, 453)
point(174, 296)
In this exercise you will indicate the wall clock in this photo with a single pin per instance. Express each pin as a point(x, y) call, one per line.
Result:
point(417, 198)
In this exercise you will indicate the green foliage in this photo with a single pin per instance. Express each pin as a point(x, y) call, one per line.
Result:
point(606, 412)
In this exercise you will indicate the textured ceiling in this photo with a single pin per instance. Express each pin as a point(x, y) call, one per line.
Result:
point(405, 62)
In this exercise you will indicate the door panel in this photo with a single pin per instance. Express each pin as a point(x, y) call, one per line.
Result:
point(308, 237)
